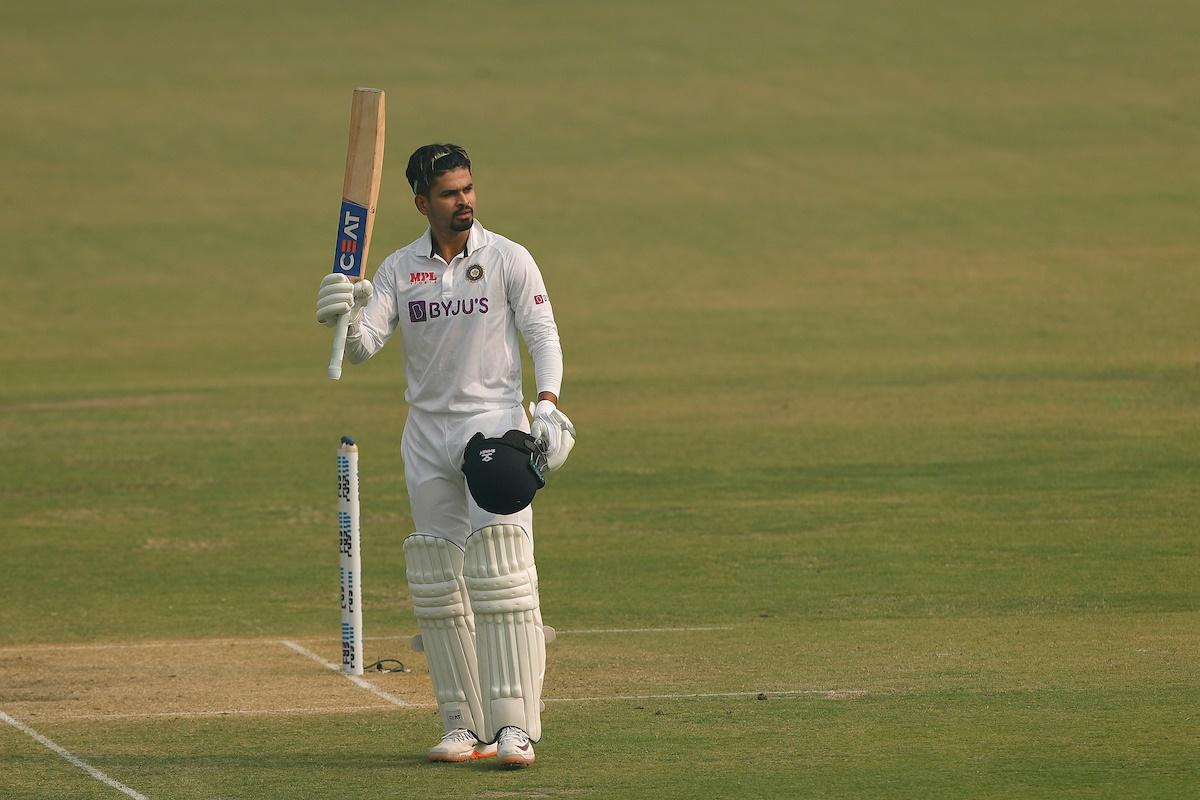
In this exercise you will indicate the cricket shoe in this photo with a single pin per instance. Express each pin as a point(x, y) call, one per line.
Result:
point(513, 748)
point(461, 745)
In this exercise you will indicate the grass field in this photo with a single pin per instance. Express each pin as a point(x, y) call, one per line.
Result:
point(880, 325)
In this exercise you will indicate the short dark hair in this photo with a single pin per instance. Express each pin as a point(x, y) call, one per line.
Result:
point(428, 162)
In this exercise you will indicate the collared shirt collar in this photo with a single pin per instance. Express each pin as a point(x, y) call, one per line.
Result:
point(474, 239)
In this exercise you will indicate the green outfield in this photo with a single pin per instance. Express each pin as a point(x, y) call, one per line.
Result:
point(880, 328)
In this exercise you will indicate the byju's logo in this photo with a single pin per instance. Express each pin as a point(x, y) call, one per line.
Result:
point(420, 310)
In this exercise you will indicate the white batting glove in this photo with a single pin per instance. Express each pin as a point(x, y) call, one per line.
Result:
point(339, 295)
point(553, 430)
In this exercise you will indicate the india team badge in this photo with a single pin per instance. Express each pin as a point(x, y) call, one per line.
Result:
point(475, 273)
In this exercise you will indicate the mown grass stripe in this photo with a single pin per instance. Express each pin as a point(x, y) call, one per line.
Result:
point(71, 757)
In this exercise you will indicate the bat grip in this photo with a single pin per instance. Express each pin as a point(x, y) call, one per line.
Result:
point(339, 346)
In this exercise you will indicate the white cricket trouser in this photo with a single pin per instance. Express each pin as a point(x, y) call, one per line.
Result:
point(432, 449)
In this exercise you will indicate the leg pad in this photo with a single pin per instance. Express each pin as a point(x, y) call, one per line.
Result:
point(502, 584)
point(443, 610)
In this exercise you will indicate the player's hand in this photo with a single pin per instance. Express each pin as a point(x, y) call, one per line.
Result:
point(338, 295)
point(553, 430)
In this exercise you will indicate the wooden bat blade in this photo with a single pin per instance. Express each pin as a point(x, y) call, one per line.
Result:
point(360, 192)
point(360, 188)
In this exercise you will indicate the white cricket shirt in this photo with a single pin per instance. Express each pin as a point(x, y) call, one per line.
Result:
point(459, 322)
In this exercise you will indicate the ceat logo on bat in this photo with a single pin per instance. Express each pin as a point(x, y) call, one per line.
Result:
point(347, 258)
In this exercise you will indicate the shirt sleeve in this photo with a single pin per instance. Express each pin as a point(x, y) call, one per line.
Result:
point(530, 304)
point(378, 321)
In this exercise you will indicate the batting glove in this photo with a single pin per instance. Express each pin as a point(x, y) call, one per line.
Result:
point(339, 295)
point(554, 432)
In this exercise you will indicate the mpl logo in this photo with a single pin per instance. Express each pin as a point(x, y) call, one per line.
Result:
point(422, 277)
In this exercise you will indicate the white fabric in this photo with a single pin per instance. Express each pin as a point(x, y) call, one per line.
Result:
point(337, 294)
point(460, 323)
point(502, 583)
point(443, 611)
point(554, 430)
point(437, 489)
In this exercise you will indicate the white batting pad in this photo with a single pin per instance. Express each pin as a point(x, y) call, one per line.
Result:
point(435, 581)
point(502, 583)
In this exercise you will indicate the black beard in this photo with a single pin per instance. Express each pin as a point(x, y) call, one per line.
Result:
point(455, 225)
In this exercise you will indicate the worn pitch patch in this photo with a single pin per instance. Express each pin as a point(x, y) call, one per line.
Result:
point(48, 683)
point(274, 677)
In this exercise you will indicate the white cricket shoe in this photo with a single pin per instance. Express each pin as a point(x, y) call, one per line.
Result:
point(513, 748)
point(460, 745)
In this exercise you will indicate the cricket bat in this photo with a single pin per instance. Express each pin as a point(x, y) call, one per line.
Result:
point(360, 191)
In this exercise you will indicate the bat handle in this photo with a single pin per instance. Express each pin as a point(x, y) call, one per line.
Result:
point(339, 346)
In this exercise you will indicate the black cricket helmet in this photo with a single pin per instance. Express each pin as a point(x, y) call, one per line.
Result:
point(503, 472)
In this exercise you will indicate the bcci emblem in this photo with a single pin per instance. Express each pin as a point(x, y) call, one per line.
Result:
point(475, 273)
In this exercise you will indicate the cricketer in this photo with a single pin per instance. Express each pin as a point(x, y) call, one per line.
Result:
point(460, 295)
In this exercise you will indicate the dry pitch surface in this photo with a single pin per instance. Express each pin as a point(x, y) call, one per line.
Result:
point(267, 677)
point(98, 682)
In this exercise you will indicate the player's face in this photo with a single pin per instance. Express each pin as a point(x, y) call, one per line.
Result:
point(451, 202)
